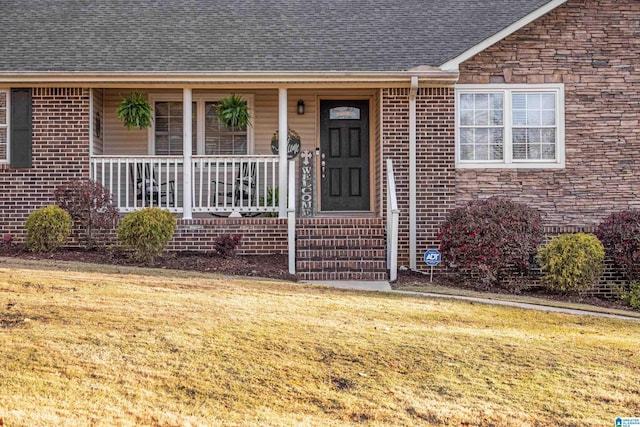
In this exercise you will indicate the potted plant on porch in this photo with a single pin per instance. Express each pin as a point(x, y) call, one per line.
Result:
point(135, 111)
point(233, 112)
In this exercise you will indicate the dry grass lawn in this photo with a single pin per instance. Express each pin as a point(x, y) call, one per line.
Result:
point(123, 347)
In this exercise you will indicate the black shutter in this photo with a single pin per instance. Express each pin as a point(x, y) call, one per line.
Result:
point(20, 128)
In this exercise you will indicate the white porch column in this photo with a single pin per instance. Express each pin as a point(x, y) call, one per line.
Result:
point(186, 152)
point(282, 152)
point(413, 231)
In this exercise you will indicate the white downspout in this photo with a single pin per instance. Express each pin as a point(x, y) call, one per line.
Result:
point(187, 97)
point(413, 252)
point(282, 152)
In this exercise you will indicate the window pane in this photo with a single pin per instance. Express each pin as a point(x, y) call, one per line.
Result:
point(519, 102)
point(481, 117)
point(482, 152)
point(533, 152)
point(496, 136)
point(548, 151)
point(466, 117)
point(497, 152)
point(519, 151)
point(548, 101)
point(481, 130)
point(3, 111)
point(497, 101)
point(548, 136)
point(548, 118)
point(481, 101)
point(496, 117)
point(466, 152)
point(466, 101)
point(221, 140)
point(466, 136)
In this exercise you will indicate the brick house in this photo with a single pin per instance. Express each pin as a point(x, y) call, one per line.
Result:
point(535, 100)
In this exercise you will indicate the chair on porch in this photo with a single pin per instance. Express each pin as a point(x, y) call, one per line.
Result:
point(149, 189)
point(242, 191)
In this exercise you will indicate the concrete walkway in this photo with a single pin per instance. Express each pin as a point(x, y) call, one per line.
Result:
point(386, 287)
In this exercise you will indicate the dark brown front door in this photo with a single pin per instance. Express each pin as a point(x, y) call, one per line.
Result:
point(344, 155)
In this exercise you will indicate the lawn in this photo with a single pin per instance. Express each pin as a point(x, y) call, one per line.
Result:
point(111, 346)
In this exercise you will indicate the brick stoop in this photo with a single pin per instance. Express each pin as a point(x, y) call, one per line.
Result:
point(341, 249)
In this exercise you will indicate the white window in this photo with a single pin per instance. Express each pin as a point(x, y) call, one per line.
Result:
point(510, 126)
point(4, 128)
point(209, 137)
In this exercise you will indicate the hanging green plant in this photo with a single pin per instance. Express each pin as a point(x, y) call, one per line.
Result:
point(233, 112)
point(135, 111)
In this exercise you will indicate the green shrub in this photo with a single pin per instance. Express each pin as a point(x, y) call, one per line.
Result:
point(47, 229)
point(146, 232)
point(491, 239)
point(571, 262)
point(632, 297)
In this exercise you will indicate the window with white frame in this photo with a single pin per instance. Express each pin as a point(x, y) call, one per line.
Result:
point(4, 128)
point(210, 137)
point(510, 126)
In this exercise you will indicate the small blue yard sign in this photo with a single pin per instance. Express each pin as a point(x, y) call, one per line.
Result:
point(432, 257)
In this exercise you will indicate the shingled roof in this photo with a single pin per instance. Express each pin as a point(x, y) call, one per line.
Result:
point(246, 35)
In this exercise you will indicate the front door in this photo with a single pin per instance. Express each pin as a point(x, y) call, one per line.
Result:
point(344, 155)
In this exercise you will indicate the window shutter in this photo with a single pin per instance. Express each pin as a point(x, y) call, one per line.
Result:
point(20, 128)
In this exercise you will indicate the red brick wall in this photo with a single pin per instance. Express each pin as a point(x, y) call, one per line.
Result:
point(60, 152)
point(435, 161)
point(592, 46)
point(260, 236)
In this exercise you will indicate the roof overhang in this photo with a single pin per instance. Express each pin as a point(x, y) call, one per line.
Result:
point(241, 79)
point(453, 64)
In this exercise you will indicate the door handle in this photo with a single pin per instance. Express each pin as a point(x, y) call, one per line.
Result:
point(323, 165)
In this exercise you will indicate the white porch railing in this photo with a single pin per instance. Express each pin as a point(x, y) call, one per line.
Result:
point(393, 220)
point(220, 184)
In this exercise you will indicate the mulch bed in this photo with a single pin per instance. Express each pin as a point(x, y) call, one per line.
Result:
point(415, 279)
point(267, 266)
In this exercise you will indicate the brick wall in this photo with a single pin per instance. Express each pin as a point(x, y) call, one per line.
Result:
point(592, 46)
point(60, 152)
point(435, 161)
point(260, 236)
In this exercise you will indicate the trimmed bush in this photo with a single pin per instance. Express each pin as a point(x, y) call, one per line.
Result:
point(89, 204)
point(491, 239)
point(620, 235)
point(226, 244)
point(146, 232)
point(571, 262)
point(48, 228)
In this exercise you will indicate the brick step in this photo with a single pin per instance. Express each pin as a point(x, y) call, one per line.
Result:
point(341, 249)
point(343, 244)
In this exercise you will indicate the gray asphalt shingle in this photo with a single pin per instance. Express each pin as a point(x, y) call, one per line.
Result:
point(237, 35)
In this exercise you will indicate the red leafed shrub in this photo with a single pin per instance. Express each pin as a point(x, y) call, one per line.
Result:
point(620, 235)
point(491, 239)
point(226, 244)
point(89, 204)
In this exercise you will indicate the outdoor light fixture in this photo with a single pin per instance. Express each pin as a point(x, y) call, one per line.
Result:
point(300, 106)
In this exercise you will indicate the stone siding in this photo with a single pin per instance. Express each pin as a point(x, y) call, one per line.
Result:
point(592, 47)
